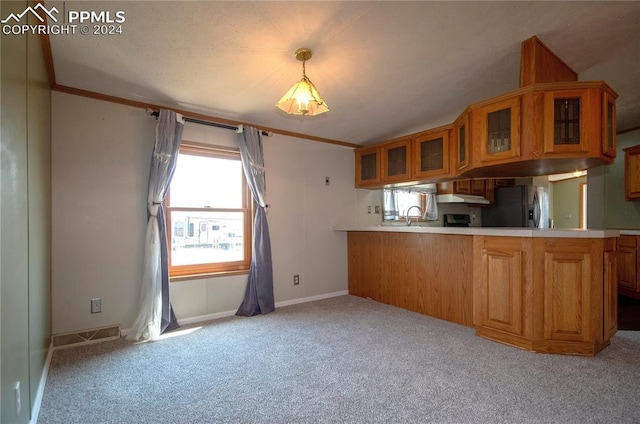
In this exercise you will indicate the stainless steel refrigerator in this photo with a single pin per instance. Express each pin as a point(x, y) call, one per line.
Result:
point(518, 206)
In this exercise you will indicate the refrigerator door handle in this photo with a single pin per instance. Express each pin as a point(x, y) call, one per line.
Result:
point(537, 210)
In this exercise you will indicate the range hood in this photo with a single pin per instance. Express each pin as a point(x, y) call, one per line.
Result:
point(461, 198)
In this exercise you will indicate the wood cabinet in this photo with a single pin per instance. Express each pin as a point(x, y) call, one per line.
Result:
point(552, 124)
point(503, 293)
point(551, 295)
point(396, 161)
point(544, 294)
point(609, 125)
point(431, 157)
point(461, 129)
point(632, 172)
point(368, 166)
point(426, 273)
point(496, 129)
point(566, 115)
point(628, 275)
point(579, 302)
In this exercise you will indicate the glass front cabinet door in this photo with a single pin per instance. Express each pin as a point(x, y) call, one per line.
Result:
point(396, 161)
point(431, 154)
point(461, 135)
point(499, 129)
point(566, 115)
point(368, 166)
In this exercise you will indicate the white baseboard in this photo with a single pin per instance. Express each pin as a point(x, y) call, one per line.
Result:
point(311, 298)
point(209, 317)
point(40, 392)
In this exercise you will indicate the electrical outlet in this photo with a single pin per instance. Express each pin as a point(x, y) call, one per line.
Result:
point(296, 279)
point(326, 181)
point(368, 209)
point(96, 305)
point(376, 209)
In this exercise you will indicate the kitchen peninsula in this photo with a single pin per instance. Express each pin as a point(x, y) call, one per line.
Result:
point(549, 291)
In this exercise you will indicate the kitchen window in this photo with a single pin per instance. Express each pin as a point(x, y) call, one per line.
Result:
point(396, 203)
point(208, 213)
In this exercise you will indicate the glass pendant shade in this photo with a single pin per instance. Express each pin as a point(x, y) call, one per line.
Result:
point(303, 98)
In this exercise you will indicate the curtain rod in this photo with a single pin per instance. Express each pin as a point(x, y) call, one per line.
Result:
point(208, 123)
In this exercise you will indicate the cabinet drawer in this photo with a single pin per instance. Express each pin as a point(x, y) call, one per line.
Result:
point(627, 241)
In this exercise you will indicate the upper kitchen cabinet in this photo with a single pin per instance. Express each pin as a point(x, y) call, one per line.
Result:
point(461, 140)
point(632, 172)
point(579, 120)
point(431, 157)
point(609, 125)
point(396, 161)
point(368, 166)
point(496, 130)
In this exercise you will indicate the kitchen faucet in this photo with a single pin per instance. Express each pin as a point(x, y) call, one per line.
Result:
point(408, 218)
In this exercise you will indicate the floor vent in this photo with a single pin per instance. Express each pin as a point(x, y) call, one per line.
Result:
point(86, 337)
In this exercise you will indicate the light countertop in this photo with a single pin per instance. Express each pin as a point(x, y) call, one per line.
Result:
point(630, 232)
point(487, 231)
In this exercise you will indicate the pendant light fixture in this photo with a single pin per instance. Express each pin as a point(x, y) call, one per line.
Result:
point(303, 98)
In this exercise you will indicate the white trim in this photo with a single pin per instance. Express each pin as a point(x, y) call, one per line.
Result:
point(37, 402)
point(209, 317)
point(311, 298)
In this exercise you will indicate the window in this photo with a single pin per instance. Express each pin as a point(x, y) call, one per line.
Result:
point(209, 213)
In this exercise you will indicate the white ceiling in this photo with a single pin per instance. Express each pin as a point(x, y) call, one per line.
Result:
point(384, 68)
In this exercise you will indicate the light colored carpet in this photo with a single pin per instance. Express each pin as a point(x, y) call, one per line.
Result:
point(339, 360)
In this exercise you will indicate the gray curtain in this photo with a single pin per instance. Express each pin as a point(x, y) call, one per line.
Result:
point(258, 297)
point(155, 314)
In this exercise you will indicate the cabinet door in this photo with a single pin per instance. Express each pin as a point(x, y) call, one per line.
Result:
point(627, 262)
point(431, 154)
point(610, 295)
point(632, 172)
point(501, 298)
point(566, 116)
point(499, 130)
point(478, 187)
point(367, 166)
point(396, 161)
point(462, 187)
point(567, 294)
point(609, 125)
point(462, 142)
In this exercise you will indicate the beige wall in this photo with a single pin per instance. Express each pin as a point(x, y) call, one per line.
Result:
point(566, 202)
point(100, 160)
point(25, 221)
point(618, 212)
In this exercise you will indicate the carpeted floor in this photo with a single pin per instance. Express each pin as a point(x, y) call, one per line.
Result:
point(339, 360)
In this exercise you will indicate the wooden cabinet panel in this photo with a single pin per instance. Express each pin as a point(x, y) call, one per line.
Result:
point(396, 161)
point(496, 127)
point(628, 270)
point(502, 283)
point(462, 142)
point(610, 295)
point(609, 125)
point(627, 277)
point(427, 273)
point(567, 283)
point(571, 121)
point(632, 172)
point(368, 166)
point(365, 257)
point(431, 154)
